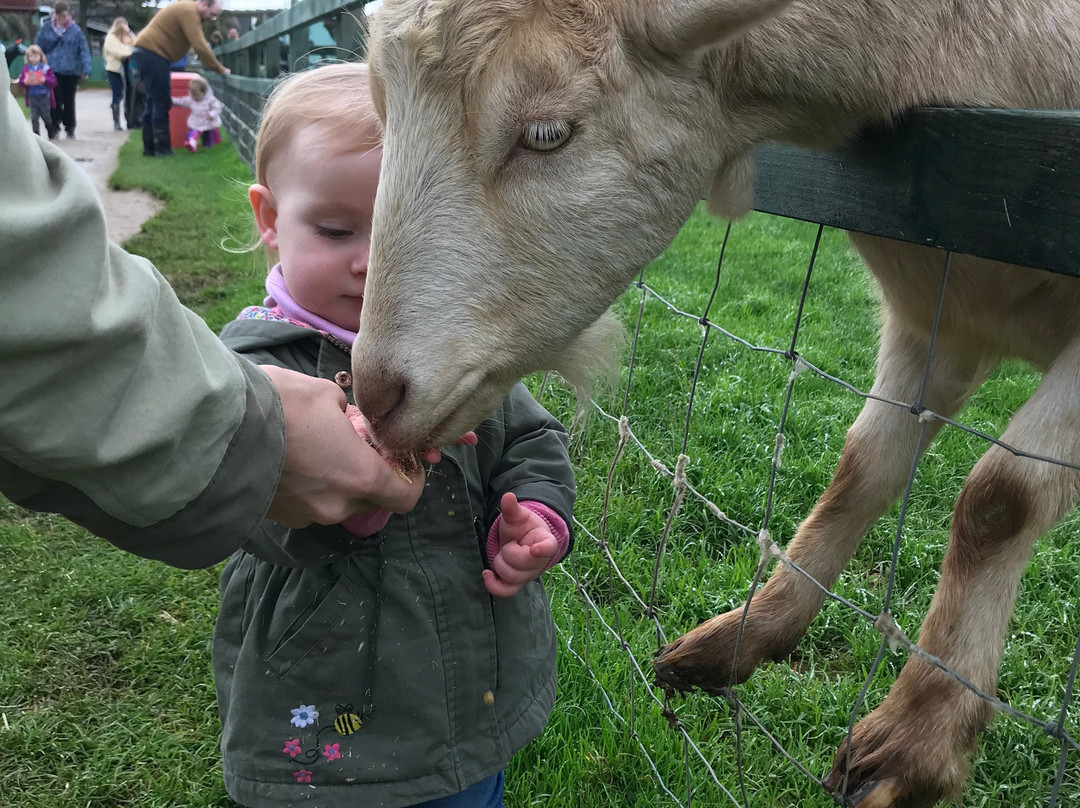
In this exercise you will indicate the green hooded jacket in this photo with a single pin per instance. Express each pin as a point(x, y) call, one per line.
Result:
point(379, 671)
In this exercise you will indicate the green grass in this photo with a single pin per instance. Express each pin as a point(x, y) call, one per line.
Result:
point(105, 683)
point(206, 208)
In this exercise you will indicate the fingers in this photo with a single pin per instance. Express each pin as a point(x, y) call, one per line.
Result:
point(497, 587)
point(515, 566)
point(468, 439)
point(544, 548)
point(329, 472)
point(511, 509)
point(434, 454)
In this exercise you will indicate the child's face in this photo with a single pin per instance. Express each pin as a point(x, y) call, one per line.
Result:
point(35, 58)
point(317, 214)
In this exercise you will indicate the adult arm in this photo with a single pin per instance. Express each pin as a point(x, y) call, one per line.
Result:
point(193, 31)
point(116, 48)
point(121, 410)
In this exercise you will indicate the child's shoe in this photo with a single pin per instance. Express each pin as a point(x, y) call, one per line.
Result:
point(191, 144)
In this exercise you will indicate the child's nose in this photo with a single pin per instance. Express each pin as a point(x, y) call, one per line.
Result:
point(360, 262)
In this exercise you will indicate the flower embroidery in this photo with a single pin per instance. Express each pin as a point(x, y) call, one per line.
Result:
point(332, 751)
point(292, 748)
point(305, 715)
point(303, 776)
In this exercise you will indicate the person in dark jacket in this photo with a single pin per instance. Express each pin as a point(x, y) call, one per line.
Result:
point(383, 661)
point(68, 54)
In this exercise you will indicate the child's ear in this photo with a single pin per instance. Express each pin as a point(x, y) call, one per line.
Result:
point(265, 210)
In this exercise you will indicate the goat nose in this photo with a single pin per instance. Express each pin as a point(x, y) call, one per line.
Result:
point(378, 397)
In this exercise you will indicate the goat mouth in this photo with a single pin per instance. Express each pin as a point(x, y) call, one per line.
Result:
point(395, 431)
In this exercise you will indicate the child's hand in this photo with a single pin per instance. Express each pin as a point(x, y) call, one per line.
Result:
point(526, 545)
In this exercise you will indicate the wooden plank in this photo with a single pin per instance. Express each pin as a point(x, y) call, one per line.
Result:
point(1002, 184)
point(248, 84)
point(300, 15)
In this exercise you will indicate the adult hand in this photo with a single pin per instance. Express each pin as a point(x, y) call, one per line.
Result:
point(330, 472)
point(226, 72)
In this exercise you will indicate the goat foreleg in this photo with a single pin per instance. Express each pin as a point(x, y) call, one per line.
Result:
point(915, 747)
point(873, 469)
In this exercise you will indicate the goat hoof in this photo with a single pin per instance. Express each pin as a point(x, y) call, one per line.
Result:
point(872, 794)
point(703, 658)
point(881, 774)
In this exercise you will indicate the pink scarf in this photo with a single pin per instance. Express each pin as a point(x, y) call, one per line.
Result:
point(277, 295)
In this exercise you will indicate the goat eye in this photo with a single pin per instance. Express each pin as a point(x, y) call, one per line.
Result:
point(545, 136)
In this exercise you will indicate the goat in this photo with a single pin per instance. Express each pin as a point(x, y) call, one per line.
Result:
point(539, 152)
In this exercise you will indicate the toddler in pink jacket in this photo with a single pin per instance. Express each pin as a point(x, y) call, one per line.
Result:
point(205, 116)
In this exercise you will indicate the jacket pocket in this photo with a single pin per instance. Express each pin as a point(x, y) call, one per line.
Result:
point(310, 629)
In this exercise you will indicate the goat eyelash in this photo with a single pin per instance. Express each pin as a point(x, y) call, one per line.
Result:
point(545, 136)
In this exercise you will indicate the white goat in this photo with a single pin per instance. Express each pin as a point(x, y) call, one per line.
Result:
point(538, 152)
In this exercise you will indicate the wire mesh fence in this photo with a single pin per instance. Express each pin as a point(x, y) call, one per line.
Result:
point(617, 598)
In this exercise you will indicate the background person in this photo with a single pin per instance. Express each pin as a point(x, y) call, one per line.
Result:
point(93, 422)
point(163, 41)
point(119, 43)
point(68, 54)
point(38, 80)
point(205, 116)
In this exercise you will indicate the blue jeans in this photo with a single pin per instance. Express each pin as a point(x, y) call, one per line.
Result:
point(116, 84)
point(485, 794)
point(157, 84)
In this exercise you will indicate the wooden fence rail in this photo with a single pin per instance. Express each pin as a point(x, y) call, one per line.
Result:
point(1002, 184)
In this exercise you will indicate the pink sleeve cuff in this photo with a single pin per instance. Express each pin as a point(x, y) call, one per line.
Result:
point(554, 522)
point(366, 524)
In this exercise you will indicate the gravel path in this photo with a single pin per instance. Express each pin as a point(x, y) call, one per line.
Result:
point(96, 149)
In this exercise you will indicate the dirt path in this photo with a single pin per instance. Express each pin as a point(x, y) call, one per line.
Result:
point(96, 149)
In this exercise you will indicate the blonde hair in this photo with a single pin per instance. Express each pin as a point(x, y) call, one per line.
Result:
point(35, 49)
point(118, 25)
point(197, 88)
point(336, 96)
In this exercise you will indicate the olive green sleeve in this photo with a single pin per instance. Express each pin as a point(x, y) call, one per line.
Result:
point(119, 408)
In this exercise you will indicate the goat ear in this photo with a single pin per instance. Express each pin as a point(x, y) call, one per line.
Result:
point(686, 25)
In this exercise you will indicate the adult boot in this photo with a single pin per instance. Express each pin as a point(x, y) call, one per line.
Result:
point(116, 117)
point(148, 148)
point(162, 144)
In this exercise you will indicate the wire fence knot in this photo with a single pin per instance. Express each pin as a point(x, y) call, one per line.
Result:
point(769, 548)
point(680, 473)
point(797, 367)
point(885, 624)
point(778, 449)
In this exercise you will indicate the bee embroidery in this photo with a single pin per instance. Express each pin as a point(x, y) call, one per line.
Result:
point(347, 722)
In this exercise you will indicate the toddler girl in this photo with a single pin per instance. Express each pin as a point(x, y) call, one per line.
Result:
point(38, 80)
point(390, 660)
point(205, 116)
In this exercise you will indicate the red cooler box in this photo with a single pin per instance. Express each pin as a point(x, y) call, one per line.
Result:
point(178, 83)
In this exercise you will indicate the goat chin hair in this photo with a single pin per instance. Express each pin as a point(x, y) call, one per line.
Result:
point(590, 363)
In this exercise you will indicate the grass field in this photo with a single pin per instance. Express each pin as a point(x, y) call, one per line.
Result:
point(105, 687)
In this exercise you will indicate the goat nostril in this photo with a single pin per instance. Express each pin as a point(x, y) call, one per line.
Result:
point(378, 400)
